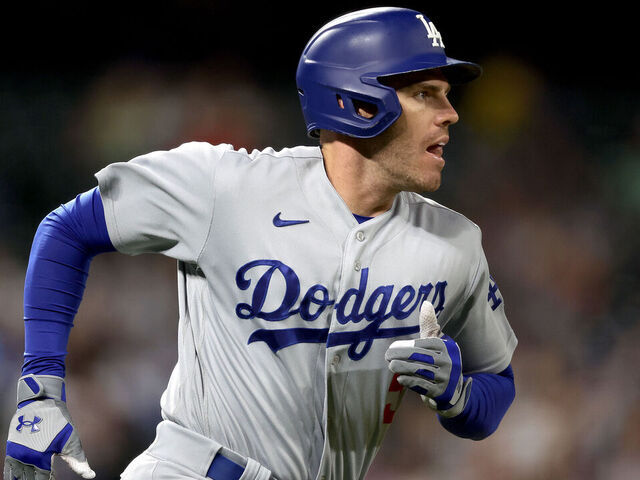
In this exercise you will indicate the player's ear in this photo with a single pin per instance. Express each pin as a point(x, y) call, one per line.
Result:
point(364, 109)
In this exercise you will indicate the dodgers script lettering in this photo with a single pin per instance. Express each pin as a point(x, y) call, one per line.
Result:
point(354, 306)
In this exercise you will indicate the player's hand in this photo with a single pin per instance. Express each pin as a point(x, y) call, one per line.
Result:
point(431, 366)
point(41, 428)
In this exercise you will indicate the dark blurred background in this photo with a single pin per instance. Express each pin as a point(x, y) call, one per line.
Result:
point(546, 159)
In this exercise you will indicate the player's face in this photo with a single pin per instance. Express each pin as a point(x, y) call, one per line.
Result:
point(410, 152)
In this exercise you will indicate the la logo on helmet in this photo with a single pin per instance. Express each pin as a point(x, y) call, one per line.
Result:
point(432, 32)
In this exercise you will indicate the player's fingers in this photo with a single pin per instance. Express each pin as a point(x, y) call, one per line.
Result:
point(37, 474)
point(73, 454)
point(418, 385)
point(13, 470)
point(432, 344)
point(29, 473)
point(40, 474)
point(428, 321)
point(21, 472)
point(423, 370)
point(81, 467)
point(418, 356)
point(405, 352)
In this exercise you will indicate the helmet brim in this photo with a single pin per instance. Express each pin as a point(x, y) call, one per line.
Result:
point(457, 72)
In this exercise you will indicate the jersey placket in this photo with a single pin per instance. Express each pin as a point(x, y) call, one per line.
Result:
point(357, 256)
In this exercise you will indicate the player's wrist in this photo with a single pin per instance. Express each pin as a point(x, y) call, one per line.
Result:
point(450, 411)
point(40, 387)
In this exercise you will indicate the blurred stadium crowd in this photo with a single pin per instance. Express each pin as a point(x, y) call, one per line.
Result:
point(551, 174)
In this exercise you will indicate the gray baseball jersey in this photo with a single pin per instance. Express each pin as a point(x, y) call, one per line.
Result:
point(287, 304)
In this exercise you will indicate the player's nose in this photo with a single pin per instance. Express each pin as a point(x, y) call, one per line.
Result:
point(447, 115)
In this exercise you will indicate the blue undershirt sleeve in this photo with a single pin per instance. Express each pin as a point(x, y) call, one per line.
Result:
point(490, 398)
point(63, 247)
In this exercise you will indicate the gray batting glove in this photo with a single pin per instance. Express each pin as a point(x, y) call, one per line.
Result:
point(40, 429)
point(431, 367)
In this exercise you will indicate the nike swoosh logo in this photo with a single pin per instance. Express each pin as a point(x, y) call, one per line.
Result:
point(278, 222)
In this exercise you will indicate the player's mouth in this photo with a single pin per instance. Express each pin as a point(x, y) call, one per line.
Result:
point(437, 149)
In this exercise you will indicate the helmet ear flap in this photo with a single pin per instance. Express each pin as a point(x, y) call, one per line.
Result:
point(354, 109)
point(366, 108)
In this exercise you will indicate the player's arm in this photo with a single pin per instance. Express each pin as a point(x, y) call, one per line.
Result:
point(63, 247)
point(489, 398)
point(463, 372)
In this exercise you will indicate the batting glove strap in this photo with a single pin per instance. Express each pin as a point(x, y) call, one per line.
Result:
point(457, 408)
point(32, 387)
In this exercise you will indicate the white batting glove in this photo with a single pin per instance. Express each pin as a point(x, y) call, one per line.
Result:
point(431, 366)
point(40, 429)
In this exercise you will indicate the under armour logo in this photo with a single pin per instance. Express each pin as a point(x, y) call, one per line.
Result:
point(27, 423)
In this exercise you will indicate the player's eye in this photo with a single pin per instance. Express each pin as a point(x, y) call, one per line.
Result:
point(428, 93)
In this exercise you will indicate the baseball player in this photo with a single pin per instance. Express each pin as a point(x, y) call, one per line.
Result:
point(316, 285)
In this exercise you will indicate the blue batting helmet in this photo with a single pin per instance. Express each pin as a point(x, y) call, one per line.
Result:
point(347, 58)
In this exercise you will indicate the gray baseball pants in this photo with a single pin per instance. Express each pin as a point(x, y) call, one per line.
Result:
point(181, 454)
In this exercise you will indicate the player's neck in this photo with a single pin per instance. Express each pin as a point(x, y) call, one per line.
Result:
point(356, 180)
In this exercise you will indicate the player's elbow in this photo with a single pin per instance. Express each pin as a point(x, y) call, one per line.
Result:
point(484, 431)
point(492, 422)
point(470, 430)
point(495, 420)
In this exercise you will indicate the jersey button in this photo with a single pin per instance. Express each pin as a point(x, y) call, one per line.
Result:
point(335, 360)
point(360, 236)
point(357, 266)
